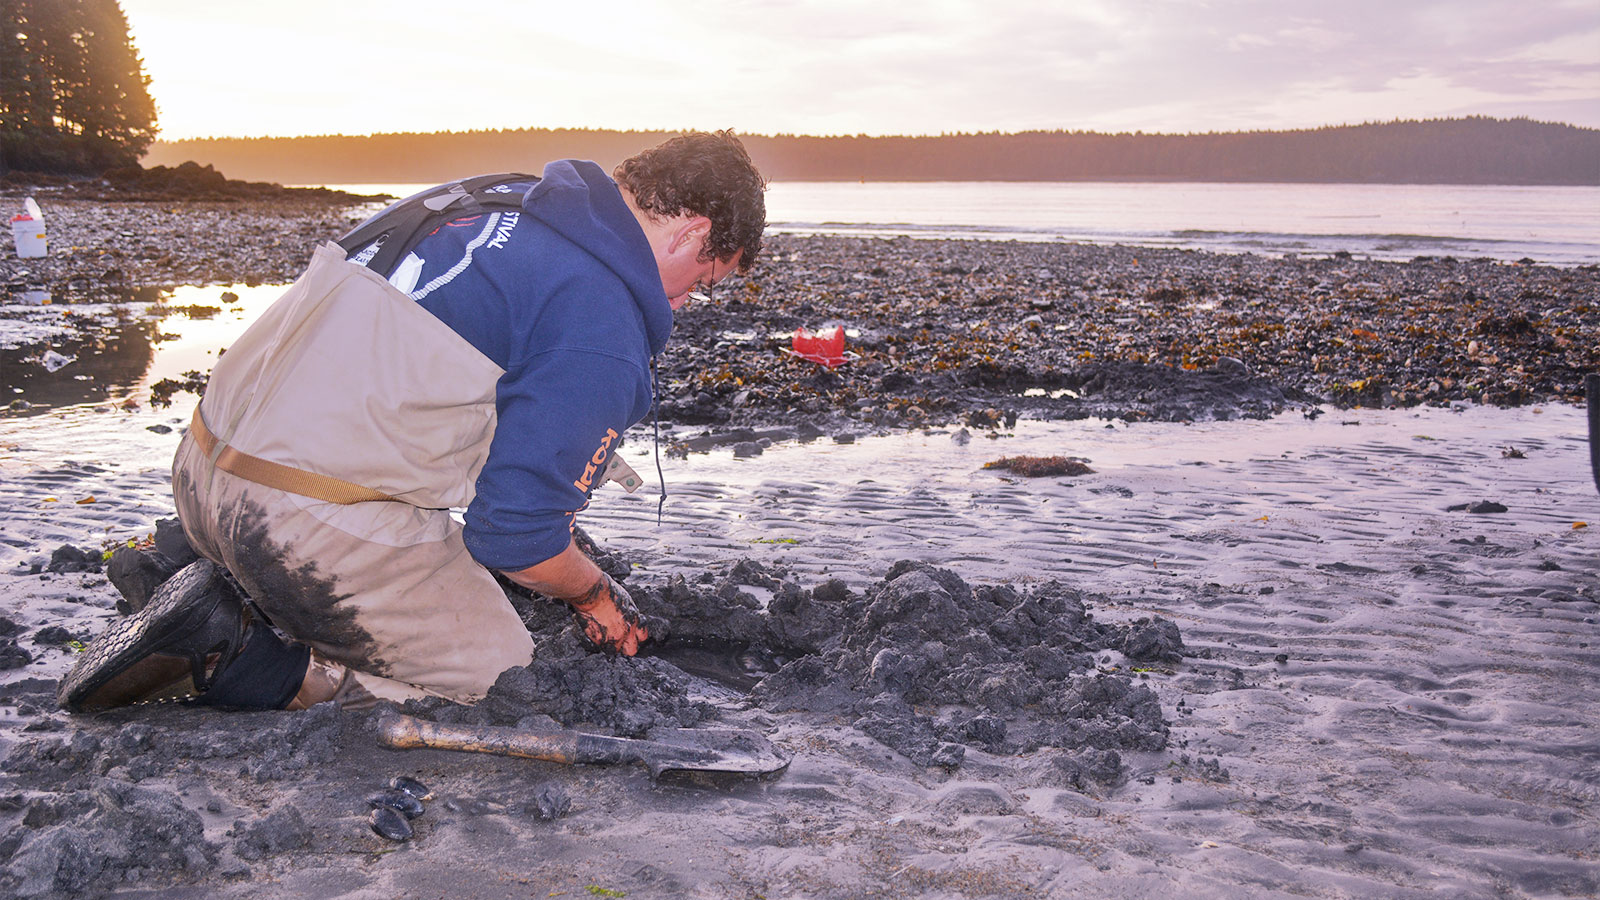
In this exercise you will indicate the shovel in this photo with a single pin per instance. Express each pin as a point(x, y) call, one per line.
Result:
point(683, 751)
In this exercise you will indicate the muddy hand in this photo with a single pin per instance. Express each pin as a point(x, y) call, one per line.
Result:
point(608, 617)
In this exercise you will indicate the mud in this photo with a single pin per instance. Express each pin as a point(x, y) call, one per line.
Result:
point(922, 662)
point(108, 802)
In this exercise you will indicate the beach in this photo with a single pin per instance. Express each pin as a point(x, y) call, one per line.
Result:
point(1319, 619)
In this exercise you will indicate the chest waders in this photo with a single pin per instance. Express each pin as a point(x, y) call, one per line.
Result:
point(379, 244)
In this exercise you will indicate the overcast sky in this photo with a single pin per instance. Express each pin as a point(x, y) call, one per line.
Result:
point(289, 67)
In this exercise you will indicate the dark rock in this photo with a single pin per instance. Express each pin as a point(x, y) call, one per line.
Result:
point(67, 558)
point(13, 656)
point(54, 636)
point(136, 574)
point(551, 802)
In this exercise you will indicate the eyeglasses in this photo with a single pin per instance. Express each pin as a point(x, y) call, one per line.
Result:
point(701, 292)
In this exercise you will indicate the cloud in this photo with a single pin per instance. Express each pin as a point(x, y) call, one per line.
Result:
point(833, 66)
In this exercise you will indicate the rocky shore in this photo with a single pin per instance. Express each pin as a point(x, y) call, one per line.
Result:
point(971, 332)
point(101, 250)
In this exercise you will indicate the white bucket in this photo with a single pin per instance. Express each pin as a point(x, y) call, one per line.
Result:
point(29, 235)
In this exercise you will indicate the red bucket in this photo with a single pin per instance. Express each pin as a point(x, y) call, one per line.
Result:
point(825, 347)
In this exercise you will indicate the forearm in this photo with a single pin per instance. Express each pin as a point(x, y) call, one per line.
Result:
point(602, 607)
point(569, 575)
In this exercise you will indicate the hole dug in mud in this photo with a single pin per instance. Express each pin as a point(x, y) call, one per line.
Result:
point(923, 662)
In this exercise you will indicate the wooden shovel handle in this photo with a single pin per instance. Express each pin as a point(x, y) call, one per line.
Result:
point(407, 733)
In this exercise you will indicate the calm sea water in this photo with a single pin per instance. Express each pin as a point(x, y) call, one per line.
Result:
point(1559, 225)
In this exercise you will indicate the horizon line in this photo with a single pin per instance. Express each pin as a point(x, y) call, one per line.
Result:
point(864, 135)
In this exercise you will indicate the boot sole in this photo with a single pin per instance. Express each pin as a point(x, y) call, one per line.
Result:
point(131, 646)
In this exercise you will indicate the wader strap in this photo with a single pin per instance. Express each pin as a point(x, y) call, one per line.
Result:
point(274, 475)
point(402, 225)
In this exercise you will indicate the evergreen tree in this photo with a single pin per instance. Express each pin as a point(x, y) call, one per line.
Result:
point(74, 97)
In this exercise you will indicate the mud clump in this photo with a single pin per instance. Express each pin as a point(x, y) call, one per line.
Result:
point(67, 558)
point(931, 666)
point(578, 688)
point(111, 831)
point(279, 831)
point(139, 744)
point(13, 656)
point(88, 808)
point(136, 571)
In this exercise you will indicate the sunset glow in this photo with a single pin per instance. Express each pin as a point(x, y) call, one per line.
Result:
point(361, 66)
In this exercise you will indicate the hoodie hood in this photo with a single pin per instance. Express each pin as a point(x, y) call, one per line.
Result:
point(579, 201)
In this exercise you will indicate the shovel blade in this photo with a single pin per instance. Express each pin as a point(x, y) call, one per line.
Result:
point(715, 751)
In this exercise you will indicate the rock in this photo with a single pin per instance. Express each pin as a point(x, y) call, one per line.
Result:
point(67, 558)
point(136, 574)
point(551, 802)
point(54, 636)
point(173, 544)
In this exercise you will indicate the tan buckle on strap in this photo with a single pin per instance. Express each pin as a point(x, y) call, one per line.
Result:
point(275, 475)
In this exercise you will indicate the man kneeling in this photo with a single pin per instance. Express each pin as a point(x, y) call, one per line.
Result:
point(481, 346)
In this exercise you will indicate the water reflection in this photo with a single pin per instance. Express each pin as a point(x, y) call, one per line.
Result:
point(55, 354)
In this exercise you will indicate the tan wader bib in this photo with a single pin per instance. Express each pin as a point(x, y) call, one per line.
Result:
point(348, 380)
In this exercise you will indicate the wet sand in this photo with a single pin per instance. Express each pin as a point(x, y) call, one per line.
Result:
point(1379, 695)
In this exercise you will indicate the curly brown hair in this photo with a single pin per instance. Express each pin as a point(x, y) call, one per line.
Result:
point(703, 174)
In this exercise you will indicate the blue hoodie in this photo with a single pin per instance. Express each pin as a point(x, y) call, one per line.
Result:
point(565, 296)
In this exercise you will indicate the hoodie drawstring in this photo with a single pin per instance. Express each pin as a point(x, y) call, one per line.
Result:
point(655, 425)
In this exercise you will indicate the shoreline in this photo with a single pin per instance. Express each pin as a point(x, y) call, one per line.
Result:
point(964, 331)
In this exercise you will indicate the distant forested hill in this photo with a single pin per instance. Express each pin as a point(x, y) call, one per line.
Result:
point(1473, 150)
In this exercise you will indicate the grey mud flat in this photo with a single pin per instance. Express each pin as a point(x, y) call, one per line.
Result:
point(1380, 697)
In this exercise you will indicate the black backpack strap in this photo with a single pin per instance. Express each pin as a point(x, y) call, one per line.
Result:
point(401, 225)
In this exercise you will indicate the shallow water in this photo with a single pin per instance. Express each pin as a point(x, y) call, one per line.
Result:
point(850, 510)
point(1348, 476)
point(1553, 224)
point(113, 352)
